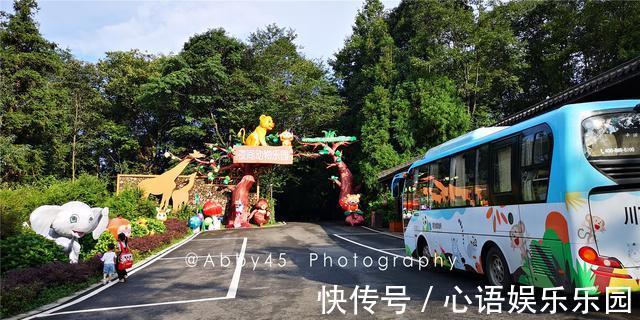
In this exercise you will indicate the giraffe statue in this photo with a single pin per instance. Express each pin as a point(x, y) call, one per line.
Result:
point(180, 196)
point(165, 183)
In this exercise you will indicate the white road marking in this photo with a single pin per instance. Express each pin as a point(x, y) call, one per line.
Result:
point(358, 234)
point(376, 249)
point(382, 232)
point(233, 288)
point(108, 285)
point(217, 255)
point(135, 306)
point(217, 239)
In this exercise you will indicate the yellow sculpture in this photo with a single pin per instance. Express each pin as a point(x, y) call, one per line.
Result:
point(180, 196)
point(257, 137)
point(286, 137)
point(165, 183)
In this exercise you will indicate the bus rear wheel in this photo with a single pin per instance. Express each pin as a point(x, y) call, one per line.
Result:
point(496, 268)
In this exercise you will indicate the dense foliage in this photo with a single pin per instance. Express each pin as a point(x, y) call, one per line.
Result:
point(23, 288)
point(174, 229)
point(130, 205)
point(28, 250)
point(405, 80)
point(427, 71)
point(18, 202)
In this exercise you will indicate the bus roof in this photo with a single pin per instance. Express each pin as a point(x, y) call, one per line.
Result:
point(483, 135)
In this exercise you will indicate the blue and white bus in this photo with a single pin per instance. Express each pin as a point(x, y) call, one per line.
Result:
point(551, 201)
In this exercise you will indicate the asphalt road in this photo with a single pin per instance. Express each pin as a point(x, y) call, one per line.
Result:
point(213, 287)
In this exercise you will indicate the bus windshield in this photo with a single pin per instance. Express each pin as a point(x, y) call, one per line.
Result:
point(612, 135)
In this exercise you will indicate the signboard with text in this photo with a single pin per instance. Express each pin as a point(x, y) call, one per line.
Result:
point(264, 155)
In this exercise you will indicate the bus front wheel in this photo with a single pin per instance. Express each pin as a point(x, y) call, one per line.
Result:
point(422, 252)
point(496, 268)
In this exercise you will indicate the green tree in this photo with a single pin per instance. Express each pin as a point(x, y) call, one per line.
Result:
point(82, 82)
point(32, 124)
point(125, 140)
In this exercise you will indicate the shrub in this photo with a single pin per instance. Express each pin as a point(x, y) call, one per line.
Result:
point(98, 247)
point(174, 229)
point(138, 230)
point(88, 189)
point(185, 212)
point(156, 226)
point(130, 204)
point(16, 204)
point(385, 204)
point(28, 250)
point(24, 288)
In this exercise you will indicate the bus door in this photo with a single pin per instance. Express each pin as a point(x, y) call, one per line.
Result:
point(504, 211)
point(504, 182)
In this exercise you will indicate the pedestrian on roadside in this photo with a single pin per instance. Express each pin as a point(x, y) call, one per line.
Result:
point(109, 261)
point(125, 258)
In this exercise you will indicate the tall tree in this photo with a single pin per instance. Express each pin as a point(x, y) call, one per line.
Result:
point(366, 70)
point(82, 82)
point(33, 129)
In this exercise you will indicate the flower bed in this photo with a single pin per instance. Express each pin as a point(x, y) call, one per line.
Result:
point(143, 245)
point(28, 288)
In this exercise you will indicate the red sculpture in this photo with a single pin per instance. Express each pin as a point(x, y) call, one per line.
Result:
point(212, 208)
point(260, 214)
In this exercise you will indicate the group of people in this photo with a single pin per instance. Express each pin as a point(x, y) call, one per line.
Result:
point(117, 260)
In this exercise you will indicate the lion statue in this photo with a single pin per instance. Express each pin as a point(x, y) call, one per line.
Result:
point(257, 137)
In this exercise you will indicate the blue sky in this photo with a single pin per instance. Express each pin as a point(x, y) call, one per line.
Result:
point(90, 28)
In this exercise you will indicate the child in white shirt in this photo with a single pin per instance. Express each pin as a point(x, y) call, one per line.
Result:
point(109, 259)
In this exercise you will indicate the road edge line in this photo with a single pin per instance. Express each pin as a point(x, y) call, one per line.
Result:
point(382, 232)
point(376, 249)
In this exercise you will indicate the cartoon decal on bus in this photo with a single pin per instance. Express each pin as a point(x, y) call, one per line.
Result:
point(552, 201)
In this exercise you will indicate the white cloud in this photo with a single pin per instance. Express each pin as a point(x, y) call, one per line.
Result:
point(164, 27)
point(90, 29)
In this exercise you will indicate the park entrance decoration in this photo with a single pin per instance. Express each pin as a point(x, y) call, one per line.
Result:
point(347, 199)
point(239, 167)
point(69, 222)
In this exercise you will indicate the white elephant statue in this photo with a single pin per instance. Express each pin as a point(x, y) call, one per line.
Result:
point(67, 223)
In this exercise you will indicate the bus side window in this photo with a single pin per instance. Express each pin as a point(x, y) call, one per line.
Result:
point(535, 164)
point(439, 187)
point(423, 196)
point(482, 176)
point(461, 189)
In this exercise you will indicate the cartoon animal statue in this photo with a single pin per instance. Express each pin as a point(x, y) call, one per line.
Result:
point(69, 222)
point(258, 136)
point(195, 223)
point(162, 214)
point(350, 203)
point(286, 137)
point(165, 183)
point(119, 225)
point(180, 197)
point(208, 223)
point(260, 214)
point(217, 223)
